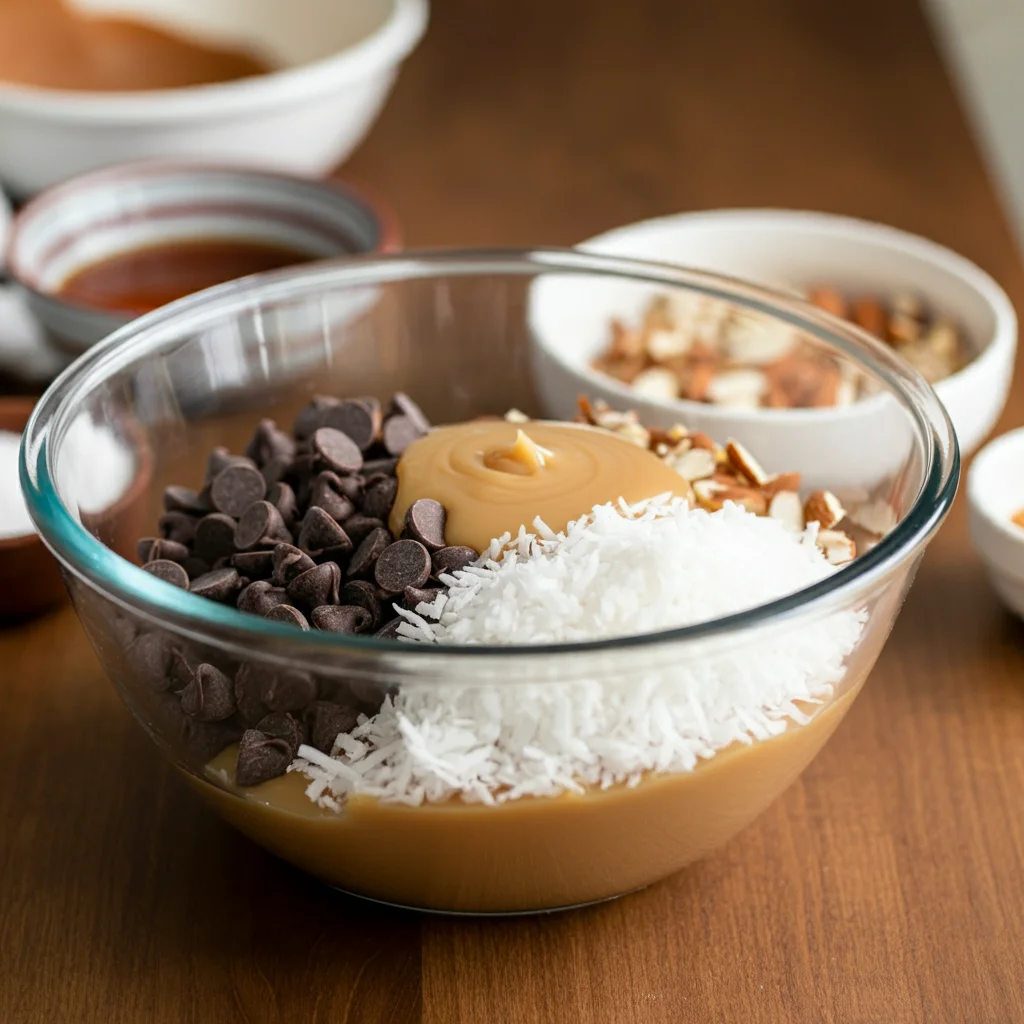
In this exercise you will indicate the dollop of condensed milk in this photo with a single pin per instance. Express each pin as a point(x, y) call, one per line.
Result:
point(493, 476)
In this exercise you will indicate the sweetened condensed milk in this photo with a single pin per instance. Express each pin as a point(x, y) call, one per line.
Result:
point(528, 853)
point(493, 476)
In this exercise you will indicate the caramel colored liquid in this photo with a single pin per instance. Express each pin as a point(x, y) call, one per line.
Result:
point(490, 486)
point(45, 43)
point(139, 280)
point(528, 854)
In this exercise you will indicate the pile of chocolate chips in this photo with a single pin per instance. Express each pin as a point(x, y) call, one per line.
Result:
point(296, 530)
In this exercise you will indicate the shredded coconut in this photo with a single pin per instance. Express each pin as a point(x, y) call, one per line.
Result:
point(620, 571)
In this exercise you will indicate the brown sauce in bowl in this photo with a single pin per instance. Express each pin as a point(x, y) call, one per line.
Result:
point(46, 43)
point(140, 280)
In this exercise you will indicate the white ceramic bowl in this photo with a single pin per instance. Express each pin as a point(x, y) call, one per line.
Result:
point(134, 206)
point(995, 491)
point(782, 248)
point(337, 63)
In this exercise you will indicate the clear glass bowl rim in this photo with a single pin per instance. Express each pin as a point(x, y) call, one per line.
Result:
point(127, 585)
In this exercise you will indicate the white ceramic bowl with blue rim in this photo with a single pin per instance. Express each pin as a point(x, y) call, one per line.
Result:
point(135, 206)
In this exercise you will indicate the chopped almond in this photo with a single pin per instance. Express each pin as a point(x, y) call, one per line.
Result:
point(745, 463)
point(824, 508)
point(696, 464)
point(781, 482)
point(870, 314)
point(837, 547)
point(785, 506)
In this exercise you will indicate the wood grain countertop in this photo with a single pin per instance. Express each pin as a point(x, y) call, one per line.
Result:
point(886, 886)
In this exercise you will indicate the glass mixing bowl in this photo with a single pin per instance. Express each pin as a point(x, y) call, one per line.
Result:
point(459, 332)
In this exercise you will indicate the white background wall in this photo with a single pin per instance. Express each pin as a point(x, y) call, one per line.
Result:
point(983, 41)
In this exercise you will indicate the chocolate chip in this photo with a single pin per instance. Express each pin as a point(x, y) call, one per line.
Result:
point(184, 499)
point(178, 526)
point(149, 656)
point(236, 487)
point(261, 524)
point(288, 690)
point(345, 618)
point(195, 566)
point(326, 721)
point(289, 562)
point(386, 466)
point(412, 596)
point(316, 586)
point(179, 672)
point(337, 450)
point(218, 584)
point(402, 403)
point(425, 520)
point(248, 690)
point(269, 442)
point(359, 527)
point(380, 497)
point(325, 492)
point(363, 594)
point(282, 497)
point(168, 571)
point(151, 549)
point(200, 740)
point(366, 555)
point(389, 631)
point(406, 563)
point(257, 565)
point(451, 559)
point(280, 725)
point(260, 758)
point(357, 419)
point(215, 537)
point(274, 470)
point(219, 459)
point(399, 432)
point(350, 487)
point(311, 415)
point(300, 475)
point(209, 697)
point(321, 536)
point(260, 597)
point(287, 613)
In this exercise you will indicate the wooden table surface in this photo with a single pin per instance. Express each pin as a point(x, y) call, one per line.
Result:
point(886, 886)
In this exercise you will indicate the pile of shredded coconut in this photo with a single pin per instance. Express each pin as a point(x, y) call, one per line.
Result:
point(619, 571)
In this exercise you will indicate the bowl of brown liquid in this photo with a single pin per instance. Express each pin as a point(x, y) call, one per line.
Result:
point(86, 84)
point(104, 248)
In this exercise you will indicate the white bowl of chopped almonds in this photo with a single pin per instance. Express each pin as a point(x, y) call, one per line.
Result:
point(734, 374)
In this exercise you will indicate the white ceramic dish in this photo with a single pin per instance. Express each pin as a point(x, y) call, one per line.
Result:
point(782, 248)
point(134, 206)
point(995, 491)
point(337, 64)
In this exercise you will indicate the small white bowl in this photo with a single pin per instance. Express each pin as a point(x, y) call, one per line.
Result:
point(783, 249)
point(338, 62)
point(995, 491)
point(994, 494)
